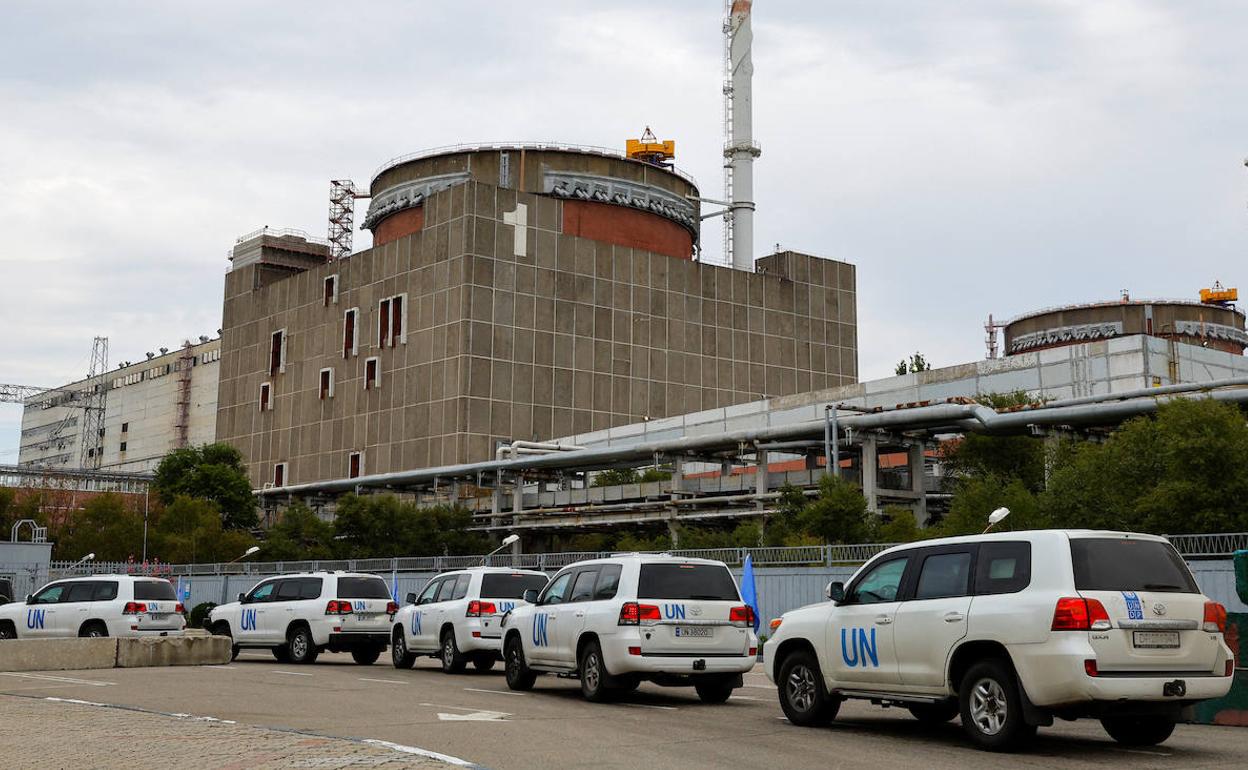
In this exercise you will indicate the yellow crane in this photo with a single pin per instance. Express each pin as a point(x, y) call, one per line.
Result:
point(649, 149)
point(1219, 295)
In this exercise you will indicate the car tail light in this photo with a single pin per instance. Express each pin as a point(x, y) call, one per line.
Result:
point(1078, 614)
point(1089, 667)
point(1230, 667)
point(741, 616)
point(477, 608)
point(179, 608)
point(392, 607)
point(632, 613)
point(753, 652)
point(1215, 617)
point(134, 608)
point(338, 607)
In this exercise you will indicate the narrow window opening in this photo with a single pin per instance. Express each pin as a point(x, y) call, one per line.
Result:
point(331, 290)
point(265, 391)
point(327, 384)
point(383, 324)
point(125, 426)
point(279, 475)
point(277, 353)
point(350, 339)
point(396, 325)
point(371, 373)
point(123, 446)
point(354, 465)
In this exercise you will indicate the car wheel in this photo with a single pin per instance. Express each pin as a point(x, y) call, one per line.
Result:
point(366, 656)
point(94, 630)
point(302, 648)
point(519, 675)
point(399, 654)
point(483, 662)
point(1145, 730)
point(714, 692)
point(7, 631)
point(281, 653)
point(803, 698)
point(992, 711)
point(934, 713)
point(594, 675)
point(453, 661)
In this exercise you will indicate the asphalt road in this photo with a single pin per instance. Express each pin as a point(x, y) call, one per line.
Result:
point(475, 717)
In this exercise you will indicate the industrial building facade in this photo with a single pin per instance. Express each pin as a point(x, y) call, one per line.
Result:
point(514, 293)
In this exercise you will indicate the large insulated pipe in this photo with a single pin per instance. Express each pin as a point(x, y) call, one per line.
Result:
point(742, 151)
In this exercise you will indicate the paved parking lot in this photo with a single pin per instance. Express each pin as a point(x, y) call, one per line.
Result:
point(476, 718)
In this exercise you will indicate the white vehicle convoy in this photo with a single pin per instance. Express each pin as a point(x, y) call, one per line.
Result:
point(100, 605)
point(299, 616)
point(1009, 631)
point(456, 617)
point(616, 622)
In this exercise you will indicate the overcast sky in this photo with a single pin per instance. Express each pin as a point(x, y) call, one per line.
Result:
point(969, 157)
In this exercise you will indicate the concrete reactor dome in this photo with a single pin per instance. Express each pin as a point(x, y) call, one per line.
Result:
point(1219, 326)
point(604, 195)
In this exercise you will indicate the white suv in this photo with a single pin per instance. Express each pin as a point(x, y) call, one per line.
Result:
point(299, 616)
point(1009, 631)
point(615, 622)
point(456, 617)
point(100, 605)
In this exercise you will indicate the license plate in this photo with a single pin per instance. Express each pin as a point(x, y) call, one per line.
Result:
point(1155, 640)
point(700, 632)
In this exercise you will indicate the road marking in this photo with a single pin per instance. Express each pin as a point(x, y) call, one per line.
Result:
point(383, 681)
point(496, 692)
point(61, 679)
point(1150, 753)
point(744, 697)
point(223, 668)
point(290, 673)
point(649, 706)
point(421, 752)
point(475, 716)
point(761, 686)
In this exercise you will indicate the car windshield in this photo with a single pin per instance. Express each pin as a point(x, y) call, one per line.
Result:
point(1128, 564)
point(362, 588)
point(510, 585)
point(154, 590)
point(686, 581)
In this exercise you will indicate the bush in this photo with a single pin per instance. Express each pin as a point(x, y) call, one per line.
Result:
point(199, 613)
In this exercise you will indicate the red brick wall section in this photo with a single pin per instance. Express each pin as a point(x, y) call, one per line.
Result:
point(627, 227)
point(398, 225)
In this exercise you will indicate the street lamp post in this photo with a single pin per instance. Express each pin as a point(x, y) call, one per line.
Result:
point(74, 567)
point(506, 542)
point(246, 553)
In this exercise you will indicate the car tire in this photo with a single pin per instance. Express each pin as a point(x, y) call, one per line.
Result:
point(933, 714)
point(366, 656)
point(301, 645)
point(400, 656)
point(519, 676)
point(93, 630)
point(453, 660)
point(992, 709)
point(594, 675)
point(803, 698)
point(221, 628)
point(484, 662)
point(715, 692)
point(281, 653)
point(1144, 730)
point(7, 631)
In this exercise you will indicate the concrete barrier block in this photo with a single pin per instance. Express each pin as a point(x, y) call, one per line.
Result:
point(173, 651)
point(57, 654)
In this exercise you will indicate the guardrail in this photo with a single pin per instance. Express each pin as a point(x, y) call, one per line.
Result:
point(1192, 546)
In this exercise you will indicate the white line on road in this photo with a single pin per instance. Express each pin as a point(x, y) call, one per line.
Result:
point(421, 752)
point(649, 706)
point(761, 686)
point(223, 668)
point(496, 692)
point(290, 673)
point(1150, 753)
point(61, 679)
point(383, 681)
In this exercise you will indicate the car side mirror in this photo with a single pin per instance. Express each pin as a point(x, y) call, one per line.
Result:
point(410, 598)
point(835, 591)
point(29, 598)
point(530, 595)
point(242, 598)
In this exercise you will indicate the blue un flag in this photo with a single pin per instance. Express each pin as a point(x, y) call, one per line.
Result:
point(749, 591)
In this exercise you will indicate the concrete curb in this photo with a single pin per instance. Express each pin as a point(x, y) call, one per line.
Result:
point(82, 654)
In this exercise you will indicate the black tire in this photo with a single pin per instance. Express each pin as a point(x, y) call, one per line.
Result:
point(1146, 730)
point(933, 714)
point(519, 676)
point(301, 646)
point(484, 662)
point(93, 630)
point(234, 650)
point(453, 661)
point(716, 692)
point(803, 697)
point(366, 656)
point(594, 675)
point(7, 631)
point(400, 656)
point(991, 708)
point(281, 653)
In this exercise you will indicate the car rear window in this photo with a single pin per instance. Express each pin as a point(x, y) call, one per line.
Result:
point(362, 588)
point(1127, 564)
point(154, 590)
point(510, 585)
point(686, 581)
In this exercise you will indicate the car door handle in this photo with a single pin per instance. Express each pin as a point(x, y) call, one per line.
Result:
point(954, 617)
point(883, 620)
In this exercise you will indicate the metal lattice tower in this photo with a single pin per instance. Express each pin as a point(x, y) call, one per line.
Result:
point(342, 195)
point(95, 402)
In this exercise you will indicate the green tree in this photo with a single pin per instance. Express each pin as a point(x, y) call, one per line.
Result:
point(837, 514)
point(190, 530)
point(378, 526)
point(898, 526)
point(616, 476)
point(1007, 457)
point(212, 472)
point(916, 363)
point(299, 534)
point(105, 526)
point(978, 496)
point(15, 507)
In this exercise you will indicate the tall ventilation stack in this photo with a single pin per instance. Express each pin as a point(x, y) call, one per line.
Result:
point(740, 149)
